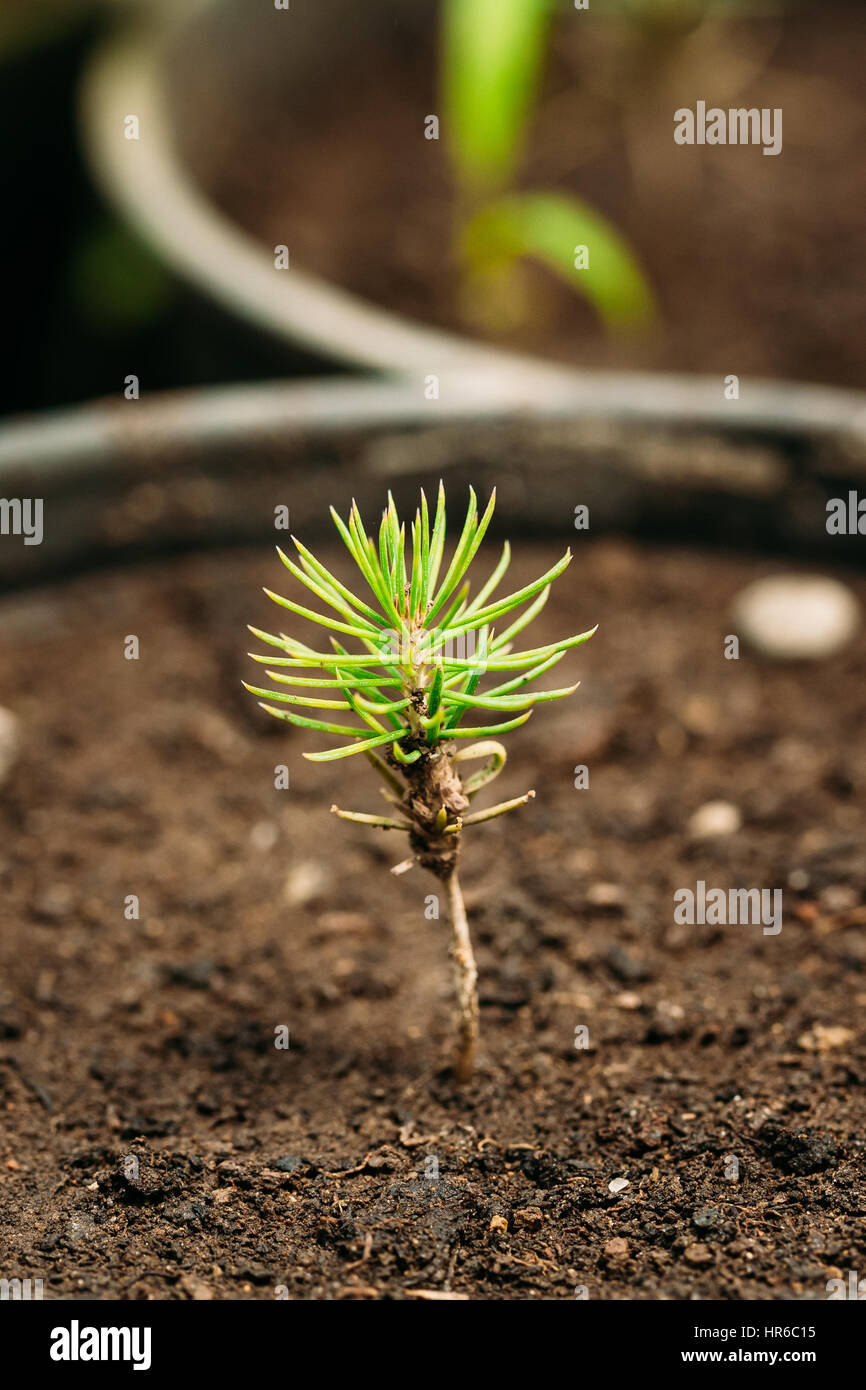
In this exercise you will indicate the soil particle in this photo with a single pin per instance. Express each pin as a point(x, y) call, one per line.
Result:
point(798, 1151)
point(698, 1255)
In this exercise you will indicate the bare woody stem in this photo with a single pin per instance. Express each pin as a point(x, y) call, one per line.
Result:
point(466, 979)
point(434, 808)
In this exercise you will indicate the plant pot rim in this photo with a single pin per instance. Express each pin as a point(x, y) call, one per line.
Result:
point(54, 444)
point(148, 184)
point(184, 470)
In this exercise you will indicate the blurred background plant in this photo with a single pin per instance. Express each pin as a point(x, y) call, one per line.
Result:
point(492, 57)
point(555, 135)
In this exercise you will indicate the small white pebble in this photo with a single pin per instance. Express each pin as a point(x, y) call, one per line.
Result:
point(665, 1009)
point(304, 882)
point(618, 1185)
point(714, 819)
point(794, 617)
point(9, 742)
point(825, 1037)
point(264, 835)
point(839, 897)
point(628, 1000)
point(605, 895)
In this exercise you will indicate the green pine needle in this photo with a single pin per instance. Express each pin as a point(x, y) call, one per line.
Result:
point(427, 645)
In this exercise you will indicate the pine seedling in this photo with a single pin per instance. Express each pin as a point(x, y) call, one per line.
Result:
point(401, 684)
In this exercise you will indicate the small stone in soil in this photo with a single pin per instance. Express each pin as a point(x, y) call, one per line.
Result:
point(838, 897)
point(54, 904)
point(10, 743)
point(697, 1255)
point(825, 1037)
point(527, 1218)
point(385, 1161)
point(714, 819)
point(618, 1185)
point(304, 882)
point(264, 835)
point(289, 1164)
point(344, 923)
point(197, 1290)
point(793, 617)
point(706, 1218)
point(607, 895)
point(624, 966)
point(616, 1249)
point(628, 1000)
point(196, 974)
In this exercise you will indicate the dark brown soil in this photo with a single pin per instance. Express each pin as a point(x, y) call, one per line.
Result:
point(349, 1166)
point(756, 261)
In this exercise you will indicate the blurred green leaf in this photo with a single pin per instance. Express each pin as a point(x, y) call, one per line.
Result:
point(551, 228)
point(492, 54)
point(115, 281)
